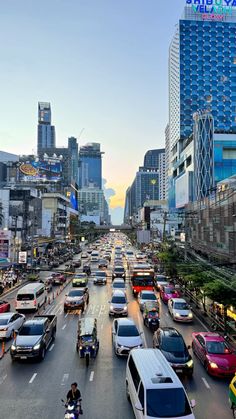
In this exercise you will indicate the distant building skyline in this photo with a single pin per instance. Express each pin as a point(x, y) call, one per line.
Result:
point(46, 132)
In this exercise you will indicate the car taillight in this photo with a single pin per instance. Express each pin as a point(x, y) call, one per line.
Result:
point(35, 302)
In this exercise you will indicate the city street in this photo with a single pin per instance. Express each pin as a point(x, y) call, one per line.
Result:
point(35, 389)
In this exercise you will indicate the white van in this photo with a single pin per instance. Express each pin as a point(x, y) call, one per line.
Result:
point(154, 389)
point(94, 256)
point(31, 297)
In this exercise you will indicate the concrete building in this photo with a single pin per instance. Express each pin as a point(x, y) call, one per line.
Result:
point(92, 202)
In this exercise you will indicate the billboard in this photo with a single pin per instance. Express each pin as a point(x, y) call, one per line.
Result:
point(22, 257)
point(40, 170)
point(4, 243)
point(182, 185)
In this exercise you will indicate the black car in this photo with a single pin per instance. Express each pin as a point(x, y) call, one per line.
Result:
point(118, 272)
point(76, 299)
point(172, 345)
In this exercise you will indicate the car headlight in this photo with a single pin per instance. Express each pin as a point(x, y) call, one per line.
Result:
point(111, 307)
point(190, 363)
point(13, 347)
point(118, 345)
point(213, 365)
point(125, 308)
point(190, 315)
point(149, 320)
point(177, 315)
point(36, 347)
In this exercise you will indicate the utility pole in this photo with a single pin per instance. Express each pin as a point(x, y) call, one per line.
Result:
point(164, 226)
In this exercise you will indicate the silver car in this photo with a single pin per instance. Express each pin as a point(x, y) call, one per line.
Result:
point(118, 304)
point(145, 296)
point(10, 323)
point(125, 336)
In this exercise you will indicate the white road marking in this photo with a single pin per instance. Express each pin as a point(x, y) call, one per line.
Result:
point(91, 376)
point(102, 310)
point(66, 315)
point(143, 335)
point(33, 378)
point(64, 380)
point(2, 379)
point(51, 347)
point(63, 327)
point(206, 383)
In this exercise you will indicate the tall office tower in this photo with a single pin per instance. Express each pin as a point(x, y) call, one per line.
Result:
point(74, 156)
point(167, 155)
point(155, 159)
point(90, 165)
point(46, 131)
point(202, 76)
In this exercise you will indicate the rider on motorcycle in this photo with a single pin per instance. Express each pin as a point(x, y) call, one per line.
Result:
point(73, 394)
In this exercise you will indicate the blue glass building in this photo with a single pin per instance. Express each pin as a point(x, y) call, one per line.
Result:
point(90, 166)
point(202, 77)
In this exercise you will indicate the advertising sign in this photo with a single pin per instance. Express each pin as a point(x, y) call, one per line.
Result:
point(22, 257)
point(4, 243)
point(35, 170)
point(182, 190)
point(212, 9)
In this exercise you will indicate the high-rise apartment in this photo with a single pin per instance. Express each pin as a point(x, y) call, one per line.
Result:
point(202, 77)
point(90, 165)
point(46, 131)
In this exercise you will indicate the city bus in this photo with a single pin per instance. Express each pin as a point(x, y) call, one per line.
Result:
point(142, 279)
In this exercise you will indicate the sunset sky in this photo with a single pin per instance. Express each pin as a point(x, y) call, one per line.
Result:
point(103, 65)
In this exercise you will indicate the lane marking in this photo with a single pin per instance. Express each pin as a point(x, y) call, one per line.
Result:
point(66, 315)
point(64, 380)
point(2, 379)
point(101, 326)
point(206, 383)
point(33, 378)
point(91, 376)
point(63, 327)
point(51, 347)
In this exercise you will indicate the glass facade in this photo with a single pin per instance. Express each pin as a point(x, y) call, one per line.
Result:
point(224, 157)
point(90, 165)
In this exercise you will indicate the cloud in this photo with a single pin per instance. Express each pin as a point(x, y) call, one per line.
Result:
point(115, 204)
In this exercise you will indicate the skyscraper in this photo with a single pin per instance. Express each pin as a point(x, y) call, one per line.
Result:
point(46, 131)
point(90, 165)
point(202, 77)
point(155, 159)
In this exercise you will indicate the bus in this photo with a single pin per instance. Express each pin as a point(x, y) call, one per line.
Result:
point(142, 279)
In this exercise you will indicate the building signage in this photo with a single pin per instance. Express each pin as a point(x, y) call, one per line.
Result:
point(212, 7)
point(4, 243)
point(22, 257)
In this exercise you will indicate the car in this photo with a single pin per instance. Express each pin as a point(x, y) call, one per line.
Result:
point(141, 256)
point(118, 284)
point(58, 278)
point(80, 280)
point(100, 278)
point(69, 268)
point(107, 256)
point(85, 255)
point(55, 263)
point(4, 306)
point(103, 263)
point(76, 299)
point(118, 262)
point(180, 310)
point(118, 304)
point(10, 323)
point(167, 292)
point(160, 281)
point(77, 263)
point(145, 296)
point(214, 353)
point(125, 336)
point(48, 283)
point(118, 272)
point(172, 345)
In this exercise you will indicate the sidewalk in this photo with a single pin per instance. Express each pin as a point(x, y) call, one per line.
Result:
point(17, 285)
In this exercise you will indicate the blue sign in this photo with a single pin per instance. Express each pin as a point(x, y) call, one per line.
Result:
point(214, 7)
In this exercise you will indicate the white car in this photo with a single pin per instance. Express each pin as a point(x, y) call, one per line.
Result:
point(119, 284)
point(146, 296)
point(180, 310)
point(84, 255)
point(125, 336)
point(10, 323)
point(118, 304)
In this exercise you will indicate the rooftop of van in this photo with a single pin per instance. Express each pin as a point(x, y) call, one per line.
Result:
point(154, 369)
point(31, 287)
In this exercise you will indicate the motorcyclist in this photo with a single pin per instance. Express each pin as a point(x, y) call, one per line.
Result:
point(73, 394)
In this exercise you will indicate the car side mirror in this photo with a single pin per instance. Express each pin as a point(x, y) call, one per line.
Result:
point(48, 330)
point(138, 406)
point(109, 302)
point(189, 346)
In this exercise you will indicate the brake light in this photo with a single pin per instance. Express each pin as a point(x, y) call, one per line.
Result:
point(35, 302)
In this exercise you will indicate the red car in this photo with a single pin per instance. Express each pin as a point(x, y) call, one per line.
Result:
point(4, 306)
point(58, 278)
point(167, 292)
point(214, 353)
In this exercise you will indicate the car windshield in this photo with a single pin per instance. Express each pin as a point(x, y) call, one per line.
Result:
point(169, 290)
point(167, 403)
point(161, 278)
point(3, 322)
point(87, 338)
point(173, 344)
point(181, 306)
point(128, 331)
point(118, 300)
point(119, 270)
point(31, 330)
point(79, 276)
point(148, 296)
point(76, 293)
point(25, 297)
point(101, 274)
point(218, 348)
point(143, 281)
point(118, 285)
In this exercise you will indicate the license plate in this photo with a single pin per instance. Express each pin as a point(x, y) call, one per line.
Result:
point(23, 357)
point(179, 371)
point(2, 334)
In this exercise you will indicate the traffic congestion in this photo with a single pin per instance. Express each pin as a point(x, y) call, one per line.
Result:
point(123, 332)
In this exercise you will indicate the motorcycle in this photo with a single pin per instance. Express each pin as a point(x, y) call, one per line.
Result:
point(73, 409)
point(87, 270)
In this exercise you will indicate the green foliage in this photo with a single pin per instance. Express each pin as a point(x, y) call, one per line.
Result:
point(221, 292)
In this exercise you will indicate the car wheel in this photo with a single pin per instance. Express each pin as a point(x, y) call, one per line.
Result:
point(127, 392)
point(206, 366)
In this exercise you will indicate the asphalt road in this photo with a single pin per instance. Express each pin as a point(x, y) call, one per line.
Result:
point(32, 390)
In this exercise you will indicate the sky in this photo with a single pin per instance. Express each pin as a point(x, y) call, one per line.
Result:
point(103, 66)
